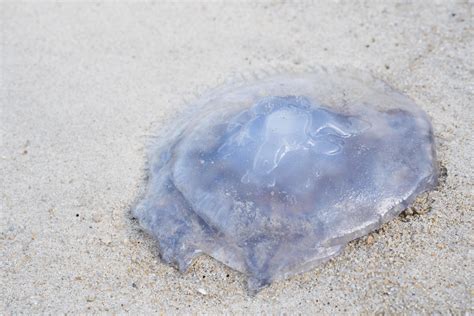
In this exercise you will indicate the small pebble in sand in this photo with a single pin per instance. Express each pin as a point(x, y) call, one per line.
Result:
point(202, 291)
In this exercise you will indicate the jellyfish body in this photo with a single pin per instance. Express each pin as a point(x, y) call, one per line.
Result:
point(275, 176)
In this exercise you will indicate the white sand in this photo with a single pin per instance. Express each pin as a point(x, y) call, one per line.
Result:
point(82, 87)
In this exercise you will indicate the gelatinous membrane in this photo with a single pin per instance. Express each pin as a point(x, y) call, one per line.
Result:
point(275, 176)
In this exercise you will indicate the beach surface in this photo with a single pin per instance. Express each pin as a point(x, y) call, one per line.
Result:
point(85, 86)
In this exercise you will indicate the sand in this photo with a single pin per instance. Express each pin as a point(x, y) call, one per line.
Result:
point(85, 85)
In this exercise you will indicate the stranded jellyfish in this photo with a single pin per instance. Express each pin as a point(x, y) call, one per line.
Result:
point(274, 176)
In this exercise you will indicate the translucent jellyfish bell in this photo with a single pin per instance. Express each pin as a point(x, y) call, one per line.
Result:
point(275, 176)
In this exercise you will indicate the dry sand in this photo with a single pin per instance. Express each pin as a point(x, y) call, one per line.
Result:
point(84, 85)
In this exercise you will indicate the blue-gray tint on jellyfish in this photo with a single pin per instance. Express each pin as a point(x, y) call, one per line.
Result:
point(273, 177)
